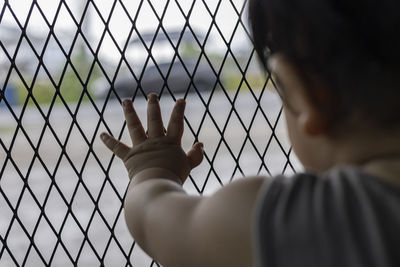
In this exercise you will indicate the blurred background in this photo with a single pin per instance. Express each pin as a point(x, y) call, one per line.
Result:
point(64, 68)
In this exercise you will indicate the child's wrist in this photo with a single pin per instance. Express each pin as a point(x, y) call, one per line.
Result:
point(155, 173)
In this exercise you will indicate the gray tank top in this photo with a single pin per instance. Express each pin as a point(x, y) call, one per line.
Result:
point(346, 218)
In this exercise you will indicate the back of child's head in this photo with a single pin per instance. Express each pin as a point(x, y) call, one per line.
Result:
point(352, 47)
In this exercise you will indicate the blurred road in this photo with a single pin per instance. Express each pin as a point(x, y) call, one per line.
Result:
point(79, 174)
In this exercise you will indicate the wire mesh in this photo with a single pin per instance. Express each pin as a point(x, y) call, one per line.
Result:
point(64, 71)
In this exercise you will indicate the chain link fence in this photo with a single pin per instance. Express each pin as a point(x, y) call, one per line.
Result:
point(64, 68)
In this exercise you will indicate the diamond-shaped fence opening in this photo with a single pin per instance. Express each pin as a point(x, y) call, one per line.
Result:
point(65, 66)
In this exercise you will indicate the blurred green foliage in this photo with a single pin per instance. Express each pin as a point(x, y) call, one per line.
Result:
point(230, 75)
point(69, 86)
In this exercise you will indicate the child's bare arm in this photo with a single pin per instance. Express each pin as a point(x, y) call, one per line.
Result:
point(174, 228)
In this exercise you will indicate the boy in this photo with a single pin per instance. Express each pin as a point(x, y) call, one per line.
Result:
point(336, 64)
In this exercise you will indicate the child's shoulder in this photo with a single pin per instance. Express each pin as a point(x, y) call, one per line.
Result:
point(310, 216)
point(338, 181)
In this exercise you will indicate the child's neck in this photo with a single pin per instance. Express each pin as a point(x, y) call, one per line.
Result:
point(386, 169)
point(378, 154)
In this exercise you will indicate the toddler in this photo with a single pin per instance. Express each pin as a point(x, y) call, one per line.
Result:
point(336, 65)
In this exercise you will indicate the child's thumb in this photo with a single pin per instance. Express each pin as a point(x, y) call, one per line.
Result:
point(195, 155)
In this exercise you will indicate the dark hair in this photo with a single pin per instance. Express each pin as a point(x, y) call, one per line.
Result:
point(353, 47)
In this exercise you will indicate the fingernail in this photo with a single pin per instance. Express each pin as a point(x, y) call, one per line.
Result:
point(125, 103)
point(103, 136)
point(202, 147)
point(181, 103)
point(153, 98)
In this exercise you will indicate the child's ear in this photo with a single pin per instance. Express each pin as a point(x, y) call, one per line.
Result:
point(298, 98)
point(313, 124)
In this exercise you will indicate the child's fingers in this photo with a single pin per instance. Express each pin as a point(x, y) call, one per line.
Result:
point(175, 125)
point(155, 126)
point(117, 147)
point(195, 155)
point(135, 127)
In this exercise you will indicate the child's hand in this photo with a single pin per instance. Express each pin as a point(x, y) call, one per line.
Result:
point(157, 149)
